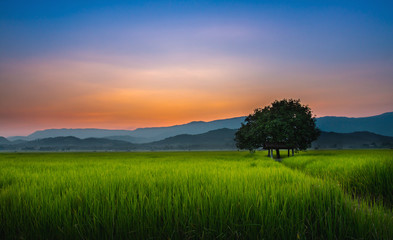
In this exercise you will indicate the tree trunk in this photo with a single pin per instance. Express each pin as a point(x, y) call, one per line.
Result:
point(268, 152)
point(288, 152)
point(278, 153)
point(271, 153)
point(293, 152)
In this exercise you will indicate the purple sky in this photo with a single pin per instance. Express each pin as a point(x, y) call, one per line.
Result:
point(122, 65)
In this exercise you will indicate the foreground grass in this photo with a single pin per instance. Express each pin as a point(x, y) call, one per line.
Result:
point(182, 195)
point(363, 173)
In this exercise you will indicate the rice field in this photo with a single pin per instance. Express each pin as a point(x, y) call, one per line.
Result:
point(363, 173)
point(196, 195)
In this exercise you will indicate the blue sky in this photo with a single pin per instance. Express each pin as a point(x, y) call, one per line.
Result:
point(112, 64)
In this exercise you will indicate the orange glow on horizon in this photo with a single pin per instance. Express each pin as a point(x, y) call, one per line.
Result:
point(58, 94)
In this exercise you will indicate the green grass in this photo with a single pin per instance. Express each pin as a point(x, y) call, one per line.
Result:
point(363, 173)
point(188, 195)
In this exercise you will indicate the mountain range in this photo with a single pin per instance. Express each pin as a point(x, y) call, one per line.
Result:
point(220, 139)
point(140, 135)
point(332, 140)
point(337, 133)
point(380, 124)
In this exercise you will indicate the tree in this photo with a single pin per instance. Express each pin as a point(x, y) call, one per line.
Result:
point(285, 124)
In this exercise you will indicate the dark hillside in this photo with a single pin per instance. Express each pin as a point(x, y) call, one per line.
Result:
point(221, 139)
point(352, 140)
point(70, 143)
point(4, 140)
point(216, 139)
point(380, 124)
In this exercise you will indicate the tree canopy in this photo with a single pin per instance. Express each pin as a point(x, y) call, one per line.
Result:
point(283, 124)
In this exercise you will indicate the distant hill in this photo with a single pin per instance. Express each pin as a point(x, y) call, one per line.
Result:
point(220, 139)
point(18, 141)
point(69, 143)
point(224, 139)
point(189, 128)
point(4, 140)
point(212, 140)
point(216, 139)
point(140, 135)
point(380, 124)
point(352, 140)
point(17, 138)
point(79, 133)
point(129, 139)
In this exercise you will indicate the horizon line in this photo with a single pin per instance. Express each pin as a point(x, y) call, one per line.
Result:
point(165, 126)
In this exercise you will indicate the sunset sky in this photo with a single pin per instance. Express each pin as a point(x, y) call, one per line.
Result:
point(130, 64)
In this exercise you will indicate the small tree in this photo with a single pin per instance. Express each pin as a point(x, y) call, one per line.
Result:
point(284, 123)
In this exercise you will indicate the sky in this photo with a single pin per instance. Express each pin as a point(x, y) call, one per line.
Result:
point(132, 64)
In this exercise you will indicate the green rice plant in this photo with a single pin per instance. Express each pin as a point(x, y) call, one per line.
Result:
point(363, 173)
point(175, 195)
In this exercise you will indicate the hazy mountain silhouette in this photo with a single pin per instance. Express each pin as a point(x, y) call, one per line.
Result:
point(352, 140)
point(196, 127)
point(213, 140)
point(77, 132)
point(4, 140)
point(140, 135)
point(129, 139)
point(69, 143)
point(380, 124)
point(220, 139)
